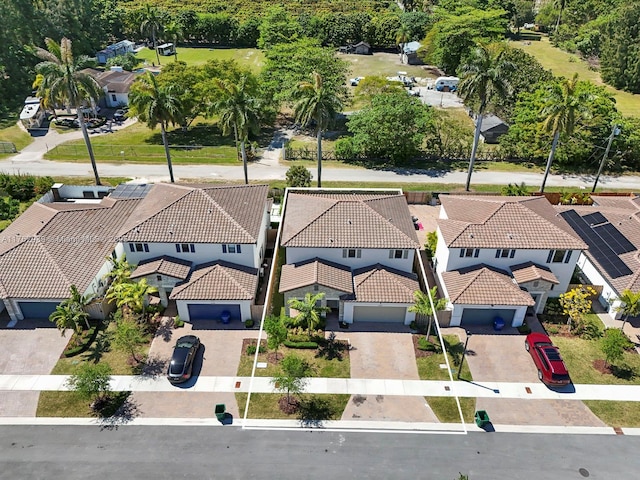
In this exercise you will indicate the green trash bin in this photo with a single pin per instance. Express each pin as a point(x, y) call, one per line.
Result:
point(482, 418)
point(220, 411)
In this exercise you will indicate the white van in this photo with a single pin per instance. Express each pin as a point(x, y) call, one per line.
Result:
point(447, 84)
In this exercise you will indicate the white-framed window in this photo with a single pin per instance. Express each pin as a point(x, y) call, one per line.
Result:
point(469, 252)
point(505, 253)
point(185, 247)
point(351, 253)
point(231, 248)
point(139, 247)
point(559, 256)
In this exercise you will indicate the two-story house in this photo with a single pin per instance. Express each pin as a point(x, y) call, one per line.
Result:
point(357, 247)
point(497, 256)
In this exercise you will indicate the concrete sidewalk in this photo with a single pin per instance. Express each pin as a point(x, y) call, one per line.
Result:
point(351, 386)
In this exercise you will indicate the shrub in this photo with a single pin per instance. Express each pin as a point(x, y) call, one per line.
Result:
point(248, 323)
point(524, 329)
point(427, 346)
point(177, 322)
point(588, 329)
point(345, 149)
point(251, 349)
point(298, 176)
point(553, 330)
point(305, 345)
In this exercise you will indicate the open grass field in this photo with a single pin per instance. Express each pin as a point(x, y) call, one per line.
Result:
point(15, 135)
point(380, 64)
point(248, 57)
point(566, 64)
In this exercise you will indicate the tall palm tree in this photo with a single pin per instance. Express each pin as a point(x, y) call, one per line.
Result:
point(308, 311)
point(239, 110)
point(120, 270)
point(563, 104)
point(317, 101)
point(151, 24)
point(422, 305)
point(560, 4)
point(155, 105)
point(630, 305)
point(484, 79)
point(402, 37)
point(66, 83)
point(174, 32)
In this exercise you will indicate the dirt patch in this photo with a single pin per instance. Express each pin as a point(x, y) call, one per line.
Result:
point(602, 367)
point(288, 405)
point(422, 353)
point(252, 341)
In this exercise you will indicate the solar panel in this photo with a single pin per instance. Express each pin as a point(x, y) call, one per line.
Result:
point(131, 191)
point(616, 240)
point(599, 247)
point(595, 218)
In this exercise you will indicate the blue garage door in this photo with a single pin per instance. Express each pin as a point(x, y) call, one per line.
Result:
point(199, 311)
point(486, 316)
point(37, 310)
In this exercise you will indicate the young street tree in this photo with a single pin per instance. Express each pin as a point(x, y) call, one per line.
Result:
point(64, 82)
point(484, 80)
point(155, 104)
point(292, 376)
point(91, 382)
point(613, 344)
point(128, 337)
point(319, 102)
point(309, 312)
point(276, 332)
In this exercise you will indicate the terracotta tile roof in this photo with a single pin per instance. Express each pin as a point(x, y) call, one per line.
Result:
point(505, 222)
point(529, 272)
point(484, 285)
point(218, 281)
point(316, 271)
point(165, 265)
point(181, 214)
point(385, 285)
point(61, 248)
point(348, 220)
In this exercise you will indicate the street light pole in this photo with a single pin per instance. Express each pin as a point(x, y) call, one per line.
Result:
point(466, 342)
point(615, 131)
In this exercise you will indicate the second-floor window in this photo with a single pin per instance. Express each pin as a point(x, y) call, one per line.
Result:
point(139, 247)
point(185, 247)
point(505, 253)
point(559, 256)
point(398, 254)
point(232, 248)
point(351, 253)
point(469, 252)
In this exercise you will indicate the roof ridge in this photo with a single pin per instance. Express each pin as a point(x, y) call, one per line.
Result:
point(388, 220)
point(55, 264)
point(164, 208)
point(233, 280)
point(472, 278)
point(224, 212)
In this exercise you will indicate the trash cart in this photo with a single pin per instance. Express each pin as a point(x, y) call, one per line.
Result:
point(220, 411)
point(482, 418)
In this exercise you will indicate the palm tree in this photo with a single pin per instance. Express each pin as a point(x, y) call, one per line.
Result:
point(563, 103)
point(560, 4)
point(120, 271)
point(484, 79)
point(173, 32)
point(239, 111)
point(422, 305)
point(132, 294)
point(155, 104)
point(79, 302)
point(402, 37)
point(308, 311)
point(63, 79)
point(630, 305)
point(151, 24)
point(66, 316)
point(317, 101)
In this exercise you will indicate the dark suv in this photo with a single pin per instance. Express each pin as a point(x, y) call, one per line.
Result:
point(181, 363)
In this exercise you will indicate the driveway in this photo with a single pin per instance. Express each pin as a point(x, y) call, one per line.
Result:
point(32, 347)
point(380, 354)
point(219, 355)
point(501, 357)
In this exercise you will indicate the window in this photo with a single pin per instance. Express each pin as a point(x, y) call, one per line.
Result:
point(505, 253)
point(469, 252)
point(185, 247)
point(559, 256)
point(139, 247)
point(159, 278)
point(113, 97)
point(231, 248)
point(398, 254)
point(351, 253)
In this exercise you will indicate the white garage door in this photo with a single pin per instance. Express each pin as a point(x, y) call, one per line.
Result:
point(379, 314)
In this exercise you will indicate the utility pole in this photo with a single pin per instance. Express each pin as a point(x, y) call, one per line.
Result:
point(614, 131)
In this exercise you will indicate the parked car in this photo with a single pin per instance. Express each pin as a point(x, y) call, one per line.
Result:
point(546, 356)
point(119, 115)
point(181, 364)
point(355, 81)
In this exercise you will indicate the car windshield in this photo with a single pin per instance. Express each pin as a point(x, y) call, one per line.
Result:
point(184, 344)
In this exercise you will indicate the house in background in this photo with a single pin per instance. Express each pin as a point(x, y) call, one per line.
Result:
point(357, 247)
point(361, 48)
point(120, 48)
point(611, 229)
point(498, 256)
point(410, 53)
point(116, 84)
point(492, 129)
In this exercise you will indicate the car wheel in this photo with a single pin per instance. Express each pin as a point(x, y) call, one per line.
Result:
point(539, 374)
point(526, 346)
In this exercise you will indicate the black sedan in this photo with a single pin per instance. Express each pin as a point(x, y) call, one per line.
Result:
point(182, 359)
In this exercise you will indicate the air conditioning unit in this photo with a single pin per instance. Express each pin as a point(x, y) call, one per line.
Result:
point(261, 272)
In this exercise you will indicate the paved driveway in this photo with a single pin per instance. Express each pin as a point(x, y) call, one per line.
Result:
point(384, 355)
point(501, 357)
point(31, 347)
point(219, 355)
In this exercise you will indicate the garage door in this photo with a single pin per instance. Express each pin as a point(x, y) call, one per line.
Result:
point(379, 314)
point(485, 316)
point(201, 311)
point(37, 310)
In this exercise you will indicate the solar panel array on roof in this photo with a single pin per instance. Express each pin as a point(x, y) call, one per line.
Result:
point(603, 253)
point(616, 240)
point(595, 218)
point(131, 190)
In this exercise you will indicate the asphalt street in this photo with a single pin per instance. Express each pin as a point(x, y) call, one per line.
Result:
point(227, 453)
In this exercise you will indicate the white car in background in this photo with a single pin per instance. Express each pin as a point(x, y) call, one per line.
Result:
point(355, 81)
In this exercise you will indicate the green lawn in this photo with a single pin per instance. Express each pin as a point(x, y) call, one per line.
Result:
point(445, 408)
point(616, 414)
point(201, 144)
point(15, 135)
point(248, 57)
point(265, 405)
point(380, 64)
point(566, 64)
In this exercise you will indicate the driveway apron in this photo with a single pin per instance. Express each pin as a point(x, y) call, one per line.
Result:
point(384, 355)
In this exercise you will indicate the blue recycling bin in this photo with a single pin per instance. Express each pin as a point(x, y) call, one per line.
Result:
point(225, 316)
point(498, 324)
